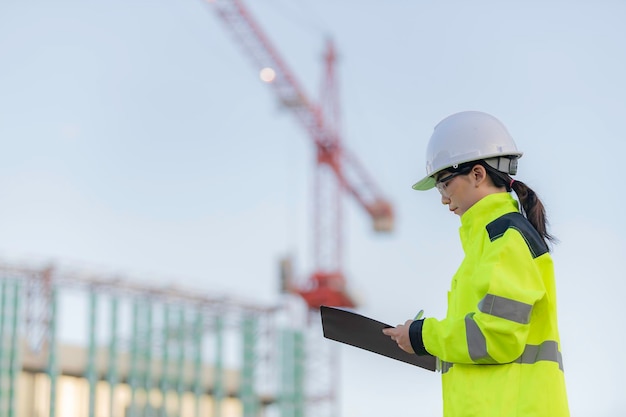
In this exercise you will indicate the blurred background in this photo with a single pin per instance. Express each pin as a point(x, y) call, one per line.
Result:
point(160, 192)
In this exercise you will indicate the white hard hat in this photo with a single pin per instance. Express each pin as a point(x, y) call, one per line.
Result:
point(468, 136)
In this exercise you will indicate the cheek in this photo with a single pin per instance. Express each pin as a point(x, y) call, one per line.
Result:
point(466, 202)
point(461, 202)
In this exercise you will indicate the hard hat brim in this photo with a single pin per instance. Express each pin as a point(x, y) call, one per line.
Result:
point(424, 184)
point(429, 182)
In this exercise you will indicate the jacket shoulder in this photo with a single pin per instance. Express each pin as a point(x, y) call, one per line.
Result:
point(517, 221)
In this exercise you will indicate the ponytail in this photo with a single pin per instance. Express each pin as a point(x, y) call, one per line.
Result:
point(533, 209)
point(531, 206)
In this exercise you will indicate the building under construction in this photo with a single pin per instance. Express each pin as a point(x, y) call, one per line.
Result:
point(144, 351)
point(164, 352)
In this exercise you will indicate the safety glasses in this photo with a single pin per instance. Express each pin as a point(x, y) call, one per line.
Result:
point(442, 183)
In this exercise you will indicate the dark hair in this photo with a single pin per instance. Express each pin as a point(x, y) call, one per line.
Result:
point(531, 206)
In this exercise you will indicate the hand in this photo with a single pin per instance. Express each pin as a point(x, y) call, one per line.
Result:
point(400, 335)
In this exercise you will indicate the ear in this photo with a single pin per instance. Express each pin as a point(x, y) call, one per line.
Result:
point(478, 175)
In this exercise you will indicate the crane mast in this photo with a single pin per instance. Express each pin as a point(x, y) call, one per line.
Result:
point(337, 170)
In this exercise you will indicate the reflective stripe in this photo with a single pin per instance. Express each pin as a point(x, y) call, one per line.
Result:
point(445, 366)
point(547, 351)
point(506, 308)
point(476, 342)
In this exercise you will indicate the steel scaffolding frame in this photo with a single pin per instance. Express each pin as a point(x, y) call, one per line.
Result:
point(171, 336)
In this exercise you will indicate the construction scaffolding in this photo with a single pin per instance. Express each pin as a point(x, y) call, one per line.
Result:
point(144, 351)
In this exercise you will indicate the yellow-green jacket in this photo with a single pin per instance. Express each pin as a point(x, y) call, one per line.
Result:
point(499, 344)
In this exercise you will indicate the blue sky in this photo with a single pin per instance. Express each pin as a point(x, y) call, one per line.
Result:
point(138, 139)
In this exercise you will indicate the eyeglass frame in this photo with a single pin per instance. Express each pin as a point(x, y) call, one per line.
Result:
point(441, 183)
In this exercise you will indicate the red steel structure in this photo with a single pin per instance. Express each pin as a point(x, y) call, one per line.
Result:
point(337, 170)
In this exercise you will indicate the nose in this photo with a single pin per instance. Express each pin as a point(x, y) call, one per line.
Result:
point(445, 200)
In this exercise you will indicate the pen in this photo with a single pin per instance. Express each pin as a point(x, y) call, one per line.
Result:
point(419, 315)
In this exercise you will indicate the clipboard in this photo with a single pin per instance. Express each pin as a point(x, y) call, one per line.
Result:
point(365, 333)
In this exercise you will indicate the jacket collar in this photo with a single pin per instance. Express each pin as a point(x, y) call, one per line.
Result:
point(484, 212)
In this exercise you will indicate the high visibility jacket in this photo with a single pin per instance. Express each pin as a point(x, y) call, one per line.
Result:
point(499, 346)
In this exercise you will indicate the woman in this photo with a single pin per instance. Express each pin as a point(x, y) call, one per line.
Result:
point(498, 346)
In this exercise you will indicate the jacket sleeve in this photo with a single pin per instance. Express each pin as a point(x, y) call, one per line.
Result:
point(495, 326)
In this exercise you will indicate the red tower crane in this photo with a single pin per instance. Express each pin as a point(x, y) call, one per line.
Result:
point(337, 170)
